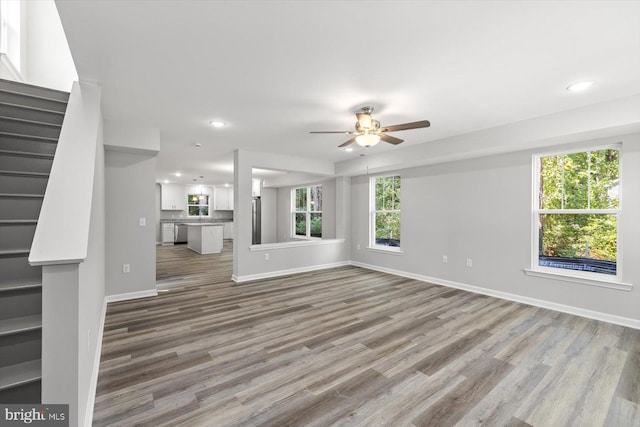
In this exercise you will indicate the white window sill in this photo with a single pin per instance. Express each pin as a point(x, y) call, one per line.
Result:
point(297, 244)
point(392, 250)
point(602, 283)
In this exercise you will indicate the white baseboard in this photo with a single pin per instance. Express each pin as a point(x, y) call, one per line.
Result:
point(132, 295)
point(270, 274)
point(590, 314)
point(88, 421)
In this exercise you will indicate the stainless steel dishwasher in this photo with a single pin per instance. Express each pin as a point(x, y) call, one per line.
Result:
point(180, 233)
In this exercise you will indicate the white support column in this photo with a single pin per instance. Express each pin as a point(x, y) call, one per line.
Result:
point(242, 175)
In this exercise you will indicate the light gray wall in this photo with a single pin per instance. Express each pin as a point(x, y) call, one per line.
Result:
point(481, 209)
point(269, 215)
point(328, 210)
point(130, 195)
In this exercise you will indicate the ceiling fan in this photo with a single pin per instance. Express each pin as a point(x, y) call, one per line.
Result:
point(369, 132)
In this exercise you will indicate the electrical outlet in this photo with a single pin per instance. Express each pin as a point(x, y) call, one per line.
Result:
point(469, 262)
point(143, 222)
point(126, 268)
point(358, 246)
point(444, 258)
point(266, 256)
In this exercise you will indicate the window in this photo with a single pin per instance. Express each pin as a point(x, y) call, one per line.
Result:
point(198, 205)
point(576, 207)
point(307, 211)
point(384, 222)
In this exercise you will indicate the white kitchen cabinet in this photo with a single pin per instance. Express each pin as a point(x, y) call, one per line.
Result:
point(227, 232)
point(167, 233)
point(173, 197)
point(223, 199)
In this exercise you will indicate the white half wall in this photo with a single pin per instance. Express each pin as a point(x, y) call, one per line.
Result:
point(256, 264)
point(481, 209)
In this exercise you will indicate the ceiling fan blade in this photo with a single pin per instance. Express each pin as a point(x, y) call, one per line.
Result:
point(406, 126)
point(349, 142)
point(390, 139)
point(346, 132)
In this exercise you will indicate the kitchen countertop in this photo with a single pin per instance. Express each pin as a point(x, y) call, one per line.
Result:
point(194, 221)
point(203, 224)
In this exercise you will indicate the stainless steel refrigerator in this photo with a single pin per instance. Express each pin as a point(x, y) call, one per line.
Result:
point(255, 219)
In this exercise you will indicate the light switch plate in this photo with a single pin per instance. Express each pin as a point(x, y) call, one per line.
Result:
point(143, 222)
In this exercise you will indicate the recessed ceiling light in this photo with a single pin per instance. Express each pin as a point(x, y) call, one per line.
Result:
point(198, 145)
point(226, 184)
point(580, 86)
point(178, 174)
point(348, 149)
point(216, 123)
point(166, 181)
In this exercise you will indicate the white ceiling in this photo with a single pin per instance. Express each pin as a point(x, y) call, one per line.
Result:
point(275, 70)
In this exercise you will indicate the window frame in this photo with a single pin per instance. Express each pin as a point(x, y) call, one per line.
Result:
point(585, 277)
point(372, 216)
point(308, 212)
point(208, 205)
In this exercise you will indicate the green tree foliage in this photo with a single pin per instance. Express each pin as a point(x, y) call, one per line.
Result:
point(587, 180)
point(387, 194)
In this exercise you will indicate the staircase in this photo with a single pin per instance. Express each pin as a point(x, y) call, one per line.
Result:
point(30, 122)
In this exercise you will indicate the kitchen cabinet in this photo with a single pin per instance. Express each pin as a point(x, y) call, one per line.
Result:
point(223, 199)
point(173, 197)
point(167, 233)
point(227, 232)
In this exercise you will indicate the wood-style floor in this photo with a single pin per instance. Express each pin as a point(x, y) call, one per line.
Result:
point(354, 347)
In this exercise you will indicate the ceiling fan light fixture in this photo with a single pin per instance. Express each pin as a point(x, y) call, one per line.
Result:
point(367, 140)
point(365, 121)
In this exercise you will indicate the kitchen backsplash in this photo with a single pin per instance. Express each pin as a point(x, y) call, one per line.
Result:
point(215, 215)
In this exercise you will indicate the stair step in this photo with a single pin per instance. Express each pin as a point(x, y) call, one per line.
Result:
point(20, 206)
point(25, 161)
point(23, 182)
point(27, 107)
point(20, 324)
point(26, 174)
point(29, 127)
point(20, 285)
point(14, 252)
point(31, 122)
point(21, 196)
point(18, 221)
point(33, 90)
point(21, 373)
point(26, 154)
point(27, 112)
point(29, 137)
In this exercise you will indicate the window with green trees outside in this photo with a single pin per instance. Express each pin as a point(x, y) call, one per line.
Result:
point(385, 212)
point(576, 207)
point(307, 211)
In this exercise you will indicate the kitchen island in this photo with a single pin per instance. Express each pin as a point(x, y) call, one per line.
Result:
point(205, 238)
